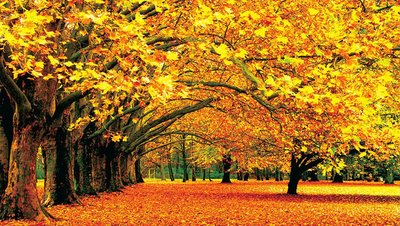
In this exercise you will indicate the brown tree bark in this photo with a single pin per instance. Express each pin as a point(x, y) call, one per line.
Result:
point(20, 199)
point(33, 109)
point(297, 167)
point(5, 138)
point(59, 161)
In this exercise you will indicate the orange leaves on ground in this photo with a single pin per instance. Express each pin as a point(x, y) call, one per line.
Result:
point(240, 203)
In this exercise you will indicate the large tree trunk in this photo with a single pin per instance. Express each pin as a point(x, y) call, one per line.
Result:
point(4, 158)
point(83, 168)
point(227, 162)
point(59, 159)
point(99, 170)
point(131, 168)
point(113, 177)
point(298, 167)
point(6, 130)
point(293, 182)
point(33, 108)
point(124, 171)
point(337, 177)
point(20, 200)
point(138, 171)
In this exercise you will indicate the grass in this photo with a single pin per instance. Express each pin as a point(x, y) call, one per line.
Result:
point(239, 203)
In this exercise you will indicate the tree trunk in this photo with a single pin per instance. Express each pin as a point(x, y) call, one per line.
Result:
point(246, 176)
point(313, 175)
point(298, 167)
point(209, 174)
point(293, 182)
point(266, 173)
point(278, 176)
point(4, 158)
point(6, 130)
point(131, 168)
point(295, 175)
point(20, 200)
point(162, 171)
point(204, 174)
point(240, 175)
point(58, 155)
point(124, 171)
point(83, 168)
point(227, 162)
point(337, 177)
point(99, 170)
point(389, 178)
point(138, 171)
point(258, 174)
point(112, 170)
point(193, 173)
point(170, 171)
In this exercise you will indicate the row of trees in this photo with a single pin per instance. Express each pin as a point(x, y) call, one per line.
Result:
point(98, 84)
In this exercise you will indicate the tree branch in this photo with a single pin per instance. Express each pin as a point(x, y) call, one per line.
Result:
point(23, 104)
point(112, 120)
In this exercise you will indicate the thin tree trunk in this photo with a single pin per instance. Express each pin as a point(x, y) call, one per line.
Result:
point(389, 178)
point(170, 170)
point(246, 176)
point(162, 171)
point(184, 163)
point(227, 162)
point(193, 173)
point(258, 174)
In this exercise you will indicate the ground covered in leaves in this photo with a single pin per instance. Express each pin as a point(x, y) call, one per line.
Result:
point(239, 203)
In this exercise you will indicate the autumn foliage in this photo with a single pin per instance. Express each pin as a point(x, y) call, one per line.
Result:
point(241, 203)
point(95, 87)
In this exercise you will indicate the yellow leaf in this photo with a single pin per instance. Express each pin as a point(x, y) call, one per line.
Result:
point(68, 64)
point(307, 90)
point(222, 50)
point(241, 54)
point(166, 80)
point(139, 19)
point(312, 11)
point(304, 149)
point(260, 32)
point(116, 138)
point(172, 56)
point(282, 39)
point(53, 61)
point(39, 65)
point(381, 92)
point(104, 86)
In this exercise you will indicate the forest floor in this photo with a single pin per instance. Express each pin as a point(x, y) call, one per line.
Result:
point(239, 203)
